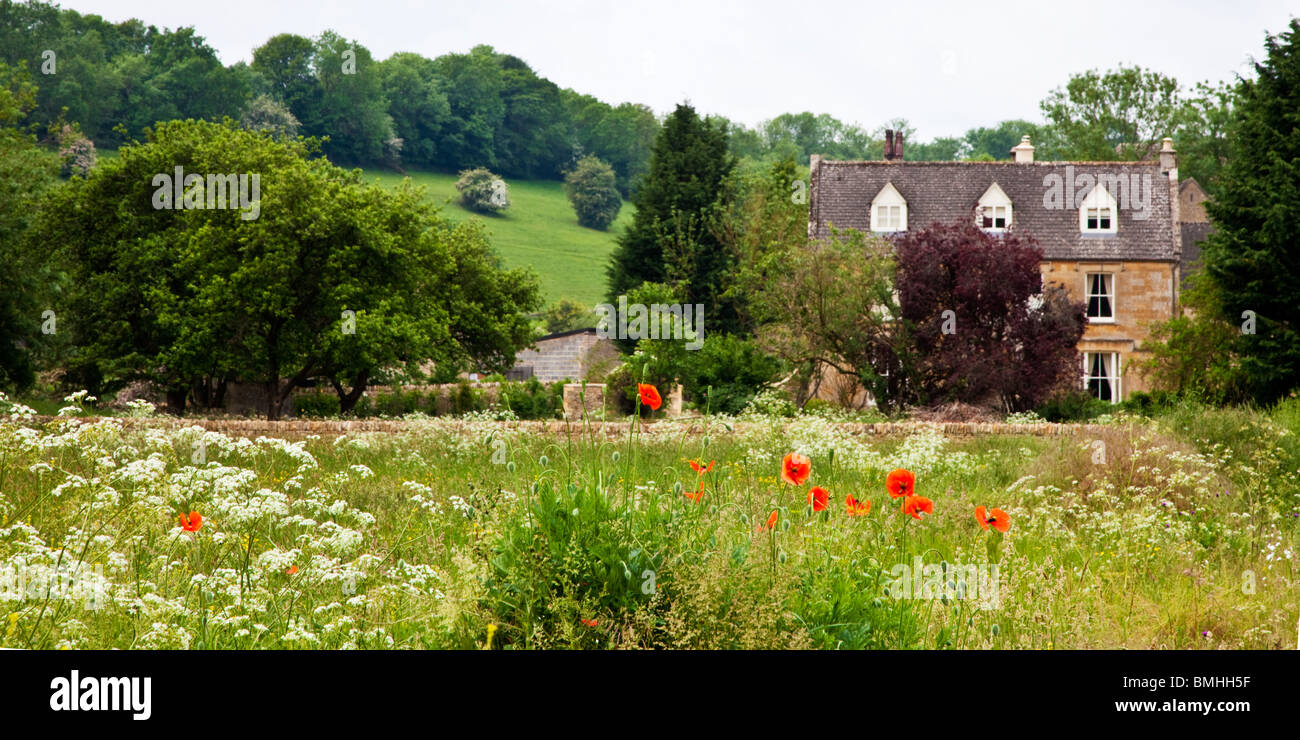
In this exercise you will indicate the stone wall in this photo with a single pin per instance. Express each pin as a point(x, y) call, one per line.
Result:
point(611, 430)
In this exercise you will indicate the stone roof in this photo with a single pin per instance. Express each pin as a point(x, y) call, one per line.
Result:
point(947, 192)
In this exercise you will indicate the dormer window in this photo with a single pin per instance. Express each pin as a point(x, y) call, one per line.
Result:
point(993, 213)
point(1097, 215)
point(888, 210)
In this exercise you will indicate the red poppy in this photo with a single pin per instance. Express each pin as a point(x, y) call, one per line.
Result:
point(819, 498)
point(589, 622)
point(914, 506)
point(192, 522)
point(293, 569)
point(795, 469)
point(771, 522)
point(699, 467)
point(1000, 520)
point(695, 495)
point(856, 507)
point(649, 396)
point(901, 483)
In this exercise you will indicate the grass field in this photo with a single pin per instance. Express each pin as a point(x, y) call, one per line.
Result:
point(1179, 532)
point(539, 230)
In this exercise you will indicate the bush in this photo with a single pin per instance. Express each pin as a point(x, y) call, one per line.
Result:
point(482, 191)
point(591, 189)
point(620, 388)
point(1149, 404)
point(315, 405)
point(467, 399)
point(726, 373)
point(531, 399)
point(567, 315)
point(771, 402)
point(1073, 406)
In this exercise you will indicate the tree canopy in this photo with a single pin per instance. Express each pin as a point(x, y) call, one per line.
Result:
point(332, 279)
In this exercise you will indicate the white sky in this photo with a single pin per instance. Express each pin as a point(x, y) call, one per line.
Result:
point(944, 66)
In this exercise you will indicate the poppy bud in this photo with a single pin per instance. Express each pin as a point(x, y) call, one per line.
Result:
point(543, 461)
point(877, 603)
point(615, 456)
point(885, 591)
point(510, 466)
point(781, 557)
point(677, 487)
point(744, 519)
point(997, 629)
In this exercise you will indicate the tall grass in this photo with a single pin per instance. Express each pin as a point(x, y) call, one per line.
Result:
point(1182, 533)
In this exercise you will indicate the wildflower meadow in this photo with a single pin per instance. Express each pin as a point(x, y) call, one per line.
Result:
point(721, 532)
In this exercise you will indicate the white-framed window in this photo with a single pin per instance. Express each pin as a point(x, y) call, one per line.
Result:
point(1098, 214)
point(994, 210)
point(1101, 297)
point(888, 210)
point(1101, 376)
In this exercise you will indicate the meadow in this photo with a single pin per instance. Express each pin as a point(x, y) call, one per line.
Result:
point(539, 230)
point(470, 533)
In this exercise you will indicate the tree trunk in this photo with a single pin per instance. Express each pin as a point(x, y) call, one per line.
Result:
point(176, 401)
point(348, 398)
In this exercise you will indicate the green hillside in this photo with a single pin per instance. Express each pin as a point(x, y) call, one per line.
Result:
point(539, 230)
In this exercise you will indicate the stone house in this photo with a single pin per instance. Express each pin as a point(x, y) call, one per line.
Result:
point(564, 356)
point(1110, 232)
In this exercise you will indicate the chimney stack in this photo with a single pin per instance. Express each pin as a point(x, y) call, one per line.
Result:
point(889, 144)
point(1168, 160)
point(898, 146)
point(1024, 151)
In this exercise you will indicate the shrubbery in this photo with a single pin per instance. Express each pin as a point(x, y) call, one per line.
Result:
point(482, 191)
point(591, 189)
point(1073, 406)
point(530, 399)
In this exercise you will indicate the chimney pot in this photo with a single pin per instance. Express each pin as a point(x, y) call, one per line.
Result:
point(1168, 158)
point(1024, 151)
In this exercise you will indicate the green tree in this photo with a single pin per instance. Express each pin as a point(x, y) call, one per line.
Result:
point(623, 136)
point(830, 307)
point(27, 280)
point(474, 84)
point(417, 104)
point(286, 62)
point(1119, 114)
point(1194, 353)
point(1202, 135)
point(591, 189)
point(1251, 256)
point(765, 221)
point(332, 279)
point(351, 110)
point(995, 142)
point(670, 239)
